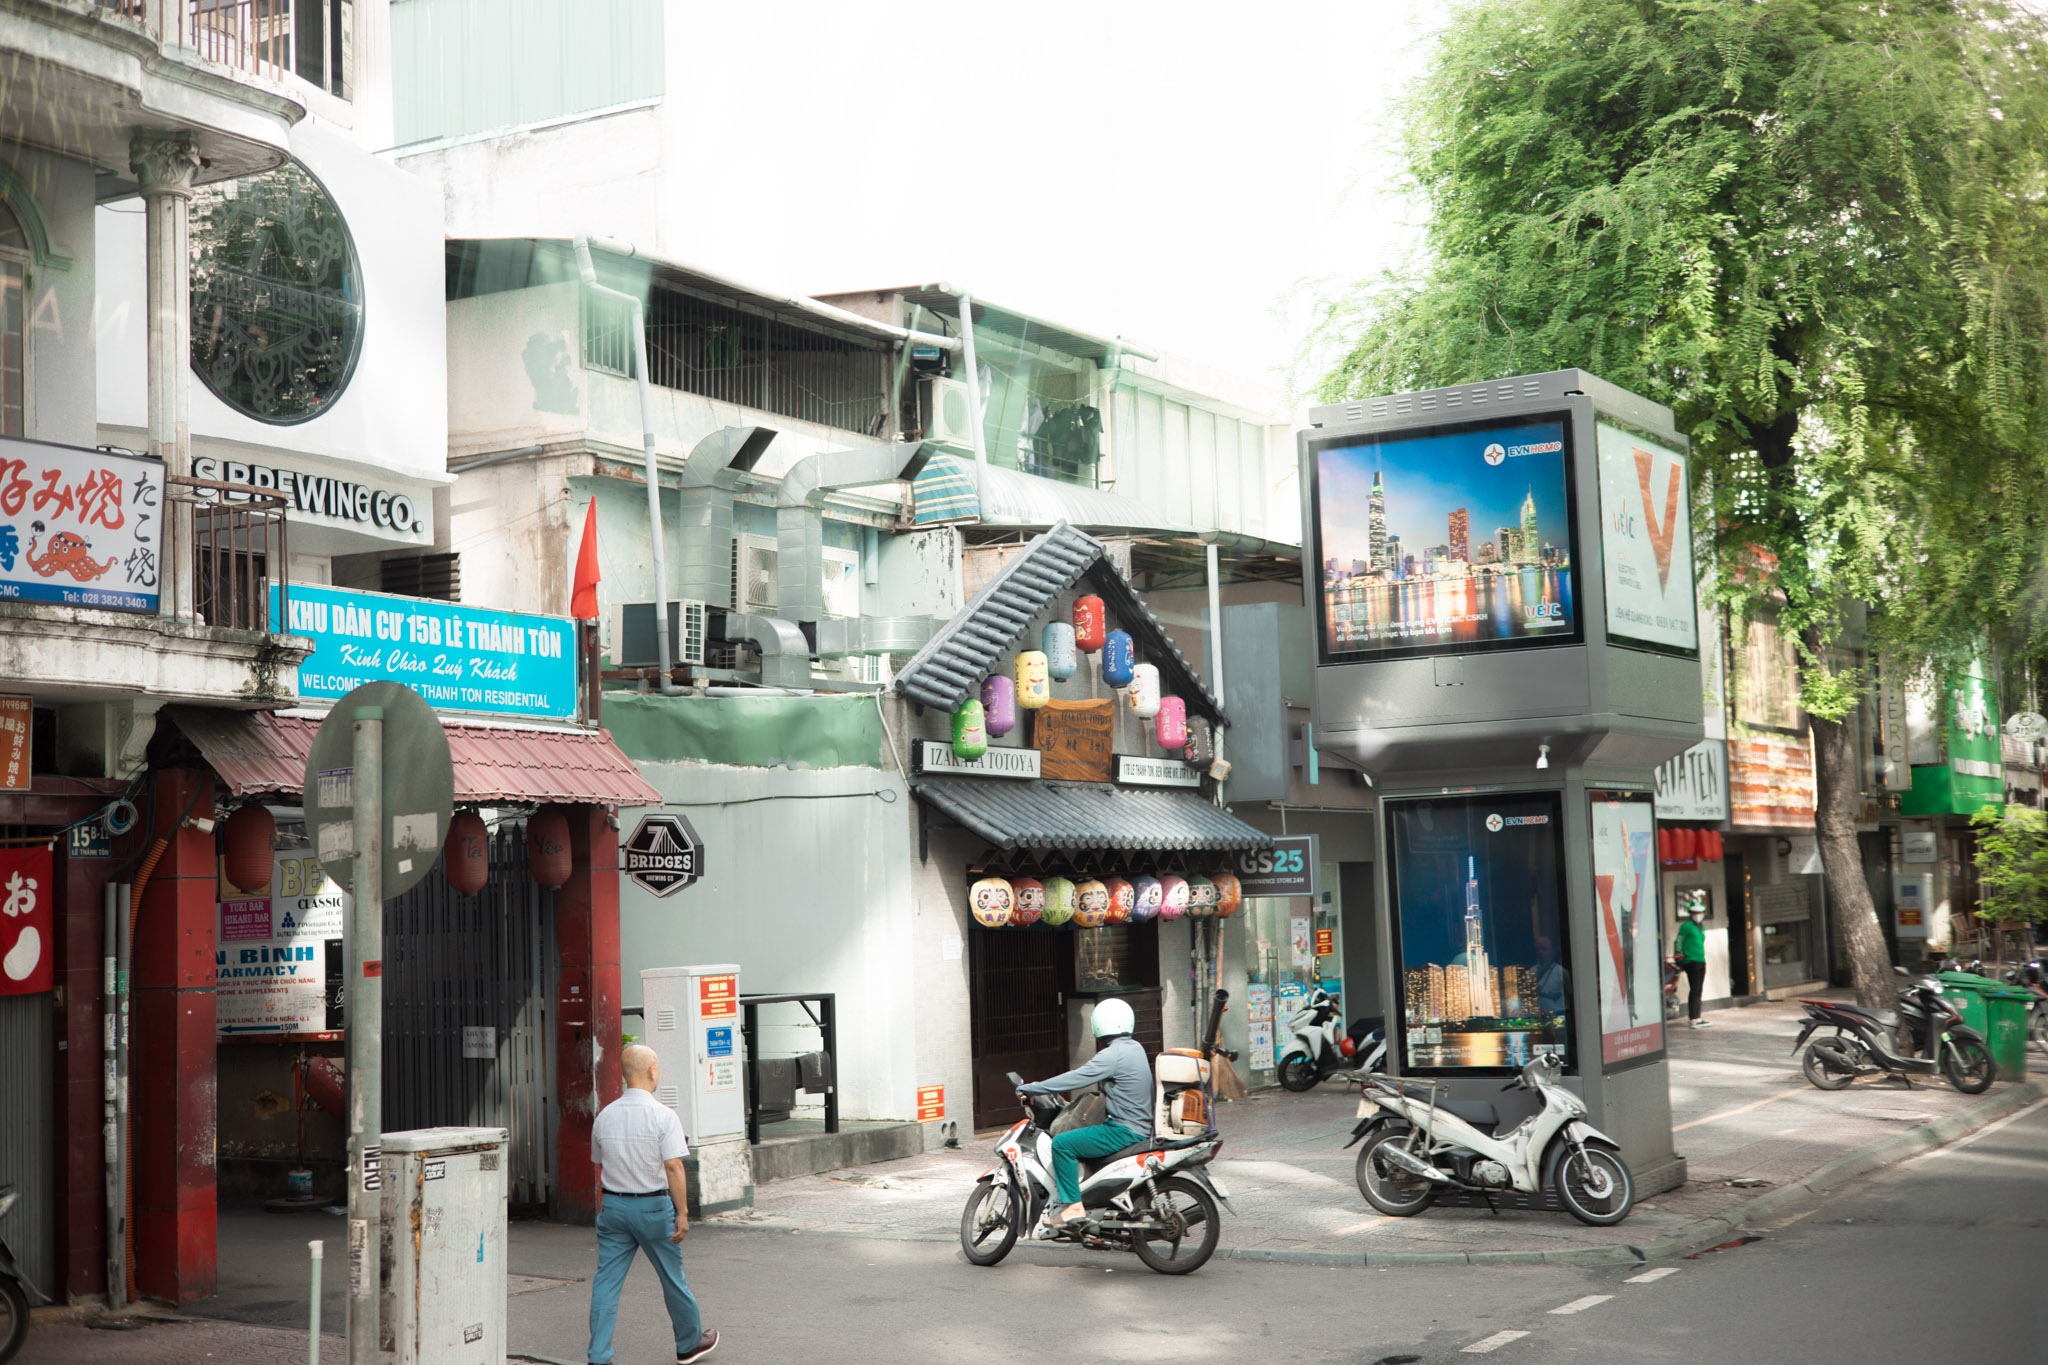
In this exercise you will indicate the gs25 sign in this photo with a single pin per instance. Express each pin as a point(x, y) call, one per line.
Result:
point(1288, 868)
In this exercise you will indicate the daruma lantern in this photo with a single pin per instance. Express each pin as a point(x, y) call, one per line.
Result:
point(1090, 624)
point(247, 834)
point(1119, 658)
point(1091, 904)
point(1123, 896)
point(547, 846)
point(1060, 900)
point(970, 731)
point(1201, 896)
point(1150, 896)
point(1173, 901)
point(999, 704)
point(1030, 901)
point(1143, 696)
point(990, 901)
point(1229, 895)
point(1061, 657)
point(466, 853)
point(1171, 725)
point(1034, 682)
point(1200, 750)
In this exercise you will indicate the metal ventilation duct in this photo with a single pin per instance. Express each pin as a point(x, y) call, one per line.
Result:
point(799, 515)
point(704, 520)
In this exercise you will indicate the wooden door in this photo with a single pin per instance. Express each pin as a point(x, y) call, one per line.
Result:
point(1019, 1014)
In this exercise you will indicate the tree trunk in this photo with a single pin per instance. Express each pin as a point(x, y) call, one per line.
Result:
point(1836, 766)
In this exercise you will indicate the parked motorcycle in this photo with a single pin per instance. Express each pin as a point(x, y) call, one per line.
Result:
point(1153, 1197)
point(1418, 1143)
point(14, 1289)
point(1316, 1051)
point(2029, 976)
point(1864, 1041)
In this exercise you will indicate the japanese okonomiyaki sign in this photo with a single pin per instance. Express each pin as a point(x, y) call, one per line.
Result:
point(79, 527)
point(1646, 541)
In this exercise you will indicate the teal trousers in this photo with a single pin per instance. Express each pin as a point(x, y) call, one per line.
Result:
point(1069, 1147)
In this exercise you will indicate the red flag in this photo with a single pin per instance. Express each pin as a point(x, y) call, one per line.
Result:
point(583, 598)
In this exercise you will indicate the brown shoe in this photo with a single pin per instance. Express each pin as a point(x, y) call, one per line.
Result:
point(706, 1344)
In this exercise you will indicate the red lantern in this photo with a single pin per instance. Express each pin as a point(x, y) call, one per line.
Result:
point(1689, 845)
point(547, 846)
point(248, 834)
point(466, 855)
point(1712, 852)
point(1090, 624)
point(1664, 846)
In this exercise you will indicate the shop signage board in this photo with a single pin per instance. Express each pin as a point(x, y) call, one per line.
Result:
point(1326, 942)
point(1646, 541)
point(936, 756)
point(664, 854)
point(1626, 904)
point(80, 527)
point(1921, 846)
point(27, 921)
point(17, 727)
point(321, 499)
point(1289, 868)
point(1770, 781)
point(457, 658)
point(1968, 772)
point(1134, 771)
point(278, 957)
point(1076, 739)
point(1694, 785)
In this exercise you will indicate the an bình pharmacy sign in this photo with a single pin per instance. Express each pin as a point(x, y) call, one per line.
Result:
point(457, 658)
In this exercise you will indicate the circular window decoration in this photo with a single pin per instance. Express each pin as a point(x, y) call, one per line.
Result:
point(277, 295)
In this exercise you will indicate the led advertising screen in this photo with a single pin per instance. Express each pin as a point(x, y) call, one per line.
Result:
point(1450, 539)
point(1646, 542)
point(1625, 902)
point(1479, 931)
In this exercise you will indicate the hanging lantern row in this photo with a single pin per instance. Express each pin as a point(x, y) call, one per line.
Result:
point(1020, 902)
point(1684, 844)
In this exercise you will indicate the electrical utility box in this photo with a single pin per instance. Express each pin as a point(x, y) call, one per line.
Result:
point(692, 1018)
point(444, 1247)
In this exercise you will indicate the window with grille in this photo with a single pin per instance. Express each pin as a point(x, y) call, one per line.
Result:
point(436, 576)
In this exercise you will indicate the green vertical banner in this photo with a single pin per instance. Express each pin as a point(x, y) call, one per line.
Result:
point(1974, 774)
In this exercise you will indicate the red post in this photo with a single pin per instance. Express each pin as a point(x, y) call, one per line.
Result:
point(171, 1053)
point(80, 1167)
point(587, 1027)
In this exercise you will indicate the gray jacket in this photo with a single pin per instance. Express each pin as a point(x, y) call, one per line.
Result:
point(1126, 1080)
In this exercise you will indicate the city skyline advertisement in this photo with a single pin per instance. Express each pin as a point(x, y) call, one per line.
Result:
point(1451, 539)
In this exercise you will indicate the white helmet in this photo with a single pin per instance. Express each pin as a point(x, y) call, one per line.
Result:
point(1113, 1017)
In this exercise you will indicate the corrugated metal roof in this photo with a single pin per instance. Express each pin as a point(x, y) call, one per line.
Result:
point(263, 753)
point(1087, 815)
point(951, 666)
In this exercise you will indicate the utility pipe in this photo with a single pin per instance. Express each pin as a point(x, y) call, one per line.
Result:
point(974, 396)
point(661, 636)
point(1216, 652)
point(365, 987)
point(110, 1066)
point(121, 1282)
point(313, 1330)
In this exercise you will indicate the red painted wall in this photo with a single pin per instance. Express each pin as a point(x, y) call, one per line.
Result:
point(79, 1149)
point(587, 1025)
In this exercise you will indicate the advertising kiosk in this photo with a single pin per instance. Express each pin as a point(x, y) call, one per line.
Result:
point(1507, 643)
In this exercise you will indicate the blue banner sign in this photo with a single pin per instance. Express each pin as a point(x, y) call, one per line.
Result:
point(458, 658)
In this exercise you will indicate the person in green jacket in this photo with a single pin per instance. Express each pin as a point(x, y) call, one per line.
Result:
point(1692, 960)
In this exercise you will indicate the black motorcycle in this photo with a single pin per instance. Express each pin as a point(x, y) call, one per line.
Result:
point(14, 1289)
point(2030, 976)
point(1864, 1041)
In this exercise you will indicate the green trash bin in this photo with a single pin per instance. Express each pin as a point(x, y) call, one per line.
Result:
point(2006, 1007)
point(1966, 991)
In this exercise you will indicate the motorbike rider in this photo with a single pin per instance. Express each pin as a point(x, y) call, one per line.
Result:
point(1120, 1068)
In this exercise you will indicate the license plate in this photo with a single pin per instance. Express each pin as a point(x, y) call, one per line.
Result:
point(1365, 1108)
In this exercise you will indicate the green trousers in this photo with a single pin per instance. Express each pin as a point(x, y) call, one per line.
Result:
point(1069, 1147)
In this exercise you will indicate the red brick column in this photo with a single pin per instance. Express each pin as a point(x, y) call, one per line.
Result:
point(80, 1149)
point(171, 1053)
point(587, 1024)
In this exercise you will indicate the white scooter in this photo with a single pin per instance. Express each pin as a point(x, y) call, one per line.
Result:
point(1317, 1051)
point(1417, 1144)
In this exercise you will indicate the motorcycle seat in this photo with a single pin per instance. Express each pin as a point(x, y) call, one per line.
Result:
point(1882, 1018)
point(1091, 1164)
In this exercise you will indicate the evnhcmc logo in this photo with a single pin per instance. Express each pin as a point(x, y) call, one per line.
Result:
point(1494, 822)
point(1495, 453)
point(664, 854)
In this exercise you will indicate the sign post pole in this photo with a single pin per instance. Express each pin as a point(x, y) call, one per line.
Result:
point(366, 1041)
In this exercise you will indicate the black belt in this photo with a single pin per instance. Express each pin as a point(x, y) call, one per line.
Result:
point(643, 1194)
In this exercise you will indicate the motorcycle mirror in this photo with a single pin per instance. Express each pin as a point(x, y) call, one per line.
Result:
point(1898, 971)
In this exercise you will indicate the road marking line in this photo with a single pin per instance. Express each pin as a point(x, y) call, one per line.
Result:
point(1581, 1305)
point(1652, 1276)
point(1731, 1113)
point(1493, 1343)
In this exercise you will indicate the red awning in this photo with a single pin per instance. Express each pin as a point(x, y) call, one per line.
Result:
point(263, 753)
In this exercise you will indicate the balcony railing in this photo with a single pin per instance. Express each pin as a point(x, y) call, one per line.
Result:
point(233, 536)
point(267, 39)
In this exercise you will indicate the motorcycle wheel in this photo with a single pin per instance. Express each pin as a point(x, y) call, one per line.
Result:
point(1596, 1187)
point(2038, 1025)
point(1826, 1068)
point(988, 1225)
point(1968, 1066)
point(1386, 1186)
point(1298, 1073)
point(13, 1318)
point(1189, 1212)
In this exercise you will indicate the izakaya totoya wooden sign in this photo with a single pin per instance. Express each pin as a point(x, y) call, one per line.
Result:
point(1074, 738)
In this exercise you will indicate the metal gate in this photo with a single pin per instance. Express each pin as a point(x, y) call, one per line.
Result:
point(466, 1034)
point(27, 1045)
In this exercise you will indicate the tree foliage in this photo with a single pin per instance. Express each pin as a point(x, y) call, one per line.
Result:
point(2012, 864)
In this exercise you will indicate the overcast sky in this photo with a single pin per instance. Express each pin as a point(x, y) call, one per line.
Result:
point(1180, 174)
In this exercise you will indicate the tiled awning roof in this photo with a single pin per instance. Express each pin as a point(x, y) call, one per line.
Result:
point(263, 753)
point(1088, 815)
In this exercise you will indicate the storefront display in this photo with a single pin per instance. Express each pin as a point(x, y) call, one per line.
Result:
point(1626, 901)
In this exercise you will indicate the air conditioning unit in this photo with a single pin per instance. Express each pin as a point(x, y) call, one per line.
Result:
point(842, 582)
point(753, 574)
point(639, 645)
point(945, 411)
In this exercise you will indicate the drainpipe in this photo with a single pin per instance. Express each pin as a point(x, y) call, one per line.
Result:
point(1216, 651)
point(661, 636)
point(974, 395)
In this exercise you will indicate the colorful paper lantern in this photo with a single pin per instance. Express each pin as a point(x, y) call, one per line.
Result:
point(1061, 657)
point(1664, 846)
point(990, 901)
point(1150, 895)
point(1029, 905)
point(1034, 681)
point(248, 834)
point(1714, 850)
point(547, 847)
point(1060, 900)
point(1229, 895)
point(970, 731)
point(1686, 843)
point(1091, 904)
point(1090, 624)
point(1143, 696)
point(1119, 659)
point(1171, 725)
point(999, 704)
point(1200, 750)
point(466, 853)
point(1173, 901)
point(1123, 897)
point(1201, 897)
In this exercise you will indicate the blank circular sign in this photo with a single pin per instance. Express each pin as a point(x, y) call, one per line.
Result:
point(419, 787)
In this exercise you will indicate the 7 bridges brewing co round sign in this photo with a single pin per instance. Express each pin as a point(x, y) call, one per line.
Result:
point(663, 853)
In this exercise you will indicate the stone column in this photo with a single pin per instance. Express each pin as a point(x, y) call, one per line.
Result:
point(164, 164)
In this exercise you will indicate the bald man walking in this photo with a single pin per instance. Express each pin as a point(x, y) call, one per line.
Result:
point(637, 1144)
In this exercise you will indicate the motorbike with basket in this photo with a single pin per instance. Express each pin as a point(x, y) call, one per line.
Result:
point(1864, 1042)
